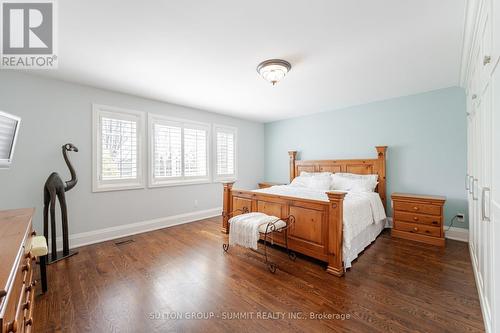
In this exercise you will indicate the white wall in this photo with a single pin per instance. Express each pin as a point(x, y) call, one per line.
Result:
point(55, 112)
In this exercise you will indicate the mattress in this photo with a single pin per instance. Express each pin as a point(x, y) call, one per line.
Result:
point(364, 216)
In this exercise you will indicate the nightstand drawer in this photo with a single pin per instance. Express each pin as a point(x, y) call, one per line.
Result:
point(417, 218)
point(416, 207)
point(418, 228)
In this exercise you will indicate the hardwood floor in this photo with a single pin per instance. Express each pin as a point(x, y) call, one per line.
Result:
point(153, 283)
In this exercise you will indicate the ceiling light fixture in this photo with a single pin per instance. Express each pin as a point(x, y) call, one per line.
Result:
point(274, 70)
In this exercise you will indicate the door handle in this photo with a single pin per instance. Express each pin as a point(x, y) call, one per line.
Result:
point(467, 181)
point(483, 205)
point(486, 60)
point(474, 197)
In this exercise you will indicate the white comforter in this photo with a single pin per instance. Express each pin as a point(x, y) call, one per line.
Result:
point(361, 209)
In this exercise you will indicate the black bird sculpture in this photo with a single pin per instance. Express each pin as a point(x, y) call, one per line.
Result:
point(56, 188)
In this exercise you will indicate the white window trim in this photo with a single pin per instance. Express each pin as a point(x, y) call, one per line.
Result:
point(224, 178)
point(116, 185)
point(183, 180)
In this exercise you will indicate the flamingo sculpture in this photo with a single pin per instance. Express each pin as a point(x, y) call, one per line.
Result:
point(56, 188)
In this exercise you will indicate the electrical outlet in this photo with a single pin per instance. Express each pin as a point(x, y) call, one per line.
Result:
point(460, 217)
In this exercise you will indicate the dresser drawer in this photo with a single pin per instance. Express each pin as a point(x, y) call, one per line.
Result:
point(418, 228)
point(417, 218)
point(416, 207)
point(13, 316)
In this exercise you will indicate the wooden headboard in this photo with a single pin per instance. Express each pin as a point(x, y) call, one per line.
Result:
point(361, 166)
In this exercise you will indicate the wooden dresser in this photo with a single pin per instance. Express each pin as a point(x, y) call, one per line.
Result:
point(419, 218)
point(16, 271)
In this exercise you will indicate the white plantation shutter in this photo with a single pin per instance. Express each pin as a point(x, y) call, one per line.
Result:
point(117, 148)
point(178, 152)
point(195, 152)
point(167, 151)
point(8, 128)
point(225, 150)
point(225, 153)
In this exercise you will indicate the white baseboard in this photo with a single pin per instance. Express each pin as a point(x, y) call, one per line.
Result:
point(101, 235)
point(459, 234)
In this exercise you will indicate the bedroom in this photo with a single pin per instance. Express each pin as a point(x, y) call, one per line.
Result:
point(250, 166)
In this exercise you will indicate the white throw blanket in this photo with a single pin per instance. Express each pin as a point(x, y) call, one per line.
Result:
point(244, 228)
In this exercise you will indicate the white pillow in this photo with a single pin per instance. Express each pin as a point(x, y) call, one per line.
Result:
point(317, 181)
point(353, 182)
point(301, 181)
point(320, 183)
point(340, 183)
point(373, 177)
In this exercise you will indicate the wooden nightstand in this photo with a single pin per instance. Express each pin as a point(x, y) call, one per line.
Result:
point(268, 184)
point(419, 218)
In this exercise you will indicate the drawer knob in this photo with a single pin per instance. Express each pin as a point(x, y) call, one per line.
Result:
point(415, 229)
point(12, 327)
point(28, 322)
point(427, 231)
point(26, 306)
point(415, 218)
point(25, 267)
point(434, 222)
point(28, 288)
point(415, 208)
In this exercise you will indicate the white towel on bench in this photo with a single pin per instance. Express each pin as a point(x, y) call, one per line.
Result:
point(244, 228)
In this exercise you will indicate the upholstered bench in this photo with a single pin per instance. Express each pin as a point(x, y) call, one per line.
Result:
point(246, 229)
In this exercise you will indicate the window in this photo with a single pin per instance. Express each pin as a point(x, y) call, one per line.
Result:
point(117, 149)
point(178, 152)
point(225, 152)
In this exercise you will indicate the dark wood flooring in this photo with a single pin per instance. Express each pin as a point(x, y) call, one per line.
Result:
point(158, 281)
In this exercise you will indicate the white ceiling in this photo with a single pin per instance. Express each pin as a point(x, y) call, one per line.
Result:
point(204, 53)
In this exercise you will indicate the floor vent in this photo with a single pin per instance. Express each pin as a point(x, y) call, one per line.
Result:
point(123, 242)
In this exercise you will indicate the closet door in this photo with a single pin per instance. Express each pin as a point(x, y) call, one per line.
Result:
point(495, 197)
point(484, 163)
point(495, 176)
point(483, 199)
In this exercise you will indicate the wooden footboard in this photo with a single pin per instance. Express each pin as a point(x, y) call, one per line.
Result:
point(317, 231)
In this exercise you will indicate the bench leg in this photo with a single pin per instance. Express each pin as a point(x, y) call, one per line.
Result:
point(43, 272)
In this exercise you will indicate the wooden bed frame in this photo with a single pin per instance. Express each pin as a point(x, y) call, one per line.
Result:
point(317, 231)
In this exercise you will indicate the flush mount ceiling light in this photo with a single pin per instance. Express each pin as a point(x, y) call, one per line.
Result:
point(274, 70)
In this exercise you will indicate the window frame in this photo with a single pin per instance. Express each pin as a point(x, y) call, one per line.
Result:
point(227, 129)
point(182, 180)
point(99, 185)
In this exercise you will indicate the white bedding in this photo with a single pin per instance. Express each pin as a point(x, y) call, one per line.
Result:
point(361, 210)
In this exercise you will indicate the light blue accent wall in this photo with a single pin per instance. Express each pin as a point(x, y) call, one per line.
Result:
point(426, 135)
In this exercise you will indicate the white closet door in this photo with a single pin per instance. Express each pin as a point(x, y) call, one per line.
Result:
point(495, 179)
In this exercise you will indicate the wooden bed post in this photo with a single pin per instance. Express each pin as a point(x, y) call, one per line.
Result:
point(293, 155)
point(335, 233)
point(381, 153)
point(226, 206)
